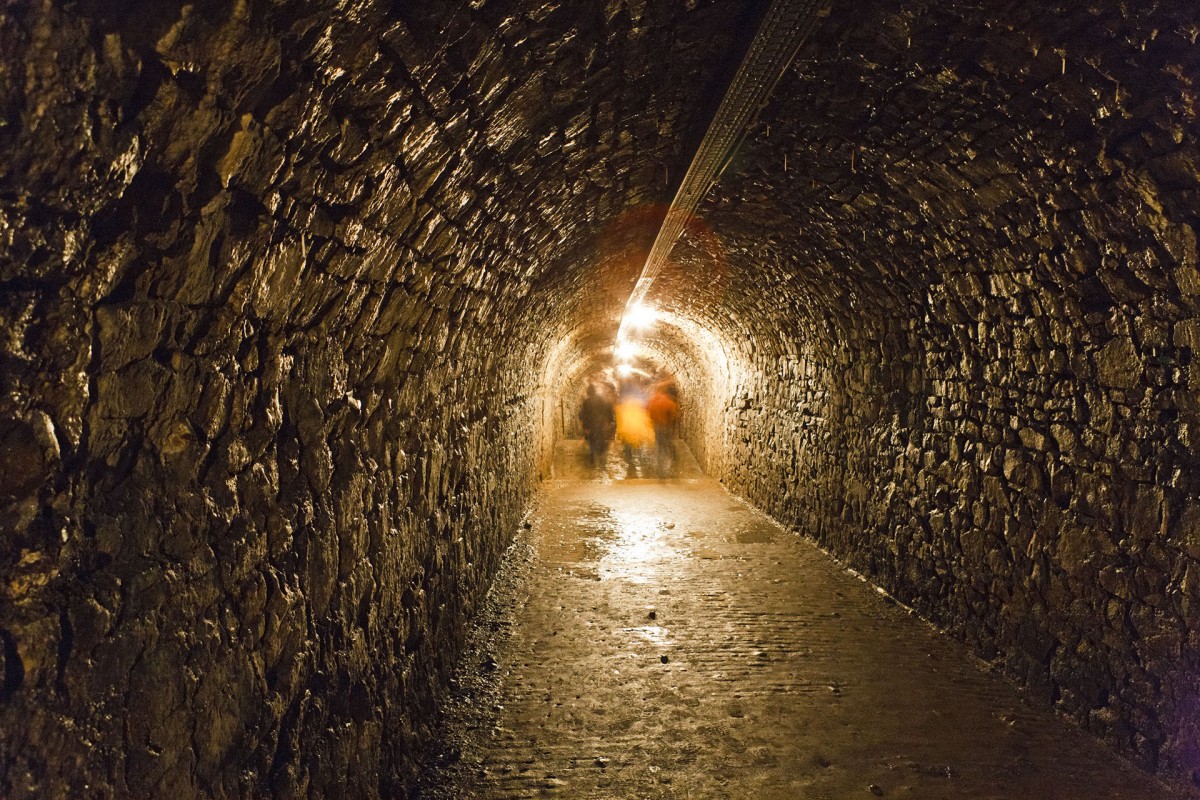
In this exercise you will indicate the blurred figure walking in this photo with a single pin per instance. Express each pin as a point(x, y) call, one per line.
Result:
point(663, 410)
point(634, 428)
point(599, 422)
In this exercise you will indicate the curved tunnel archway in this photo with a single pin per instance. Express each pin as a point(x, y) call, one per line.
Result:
point(293, 295)
point(695, 358)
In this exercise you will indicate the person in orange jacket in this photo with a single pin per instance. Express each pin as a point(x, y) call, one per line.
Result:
point(634, 427)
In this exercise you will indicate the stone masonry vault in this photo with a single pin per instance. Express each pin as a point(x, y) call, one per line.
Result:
point(291, 294)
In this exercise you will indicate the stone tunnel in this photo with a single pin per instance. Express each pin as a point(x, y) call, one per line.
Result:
point(297, 300)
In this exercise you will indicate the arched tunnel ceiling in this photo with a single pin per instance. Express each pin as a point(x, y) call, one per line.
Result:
point(425, 118)
point(929, 157)
point(286, 289)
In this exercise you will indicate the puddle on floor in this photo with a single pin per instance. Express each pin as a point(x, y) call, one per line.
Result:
point(706, 553)
point(588, 540)
point(755, 534)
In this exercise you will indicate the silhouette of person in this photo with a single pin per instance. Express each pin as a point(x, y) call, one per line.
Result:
point(599, 422)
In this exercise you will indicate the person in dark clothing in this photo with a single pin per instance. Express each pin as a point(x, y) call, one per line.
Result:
point(599, 423)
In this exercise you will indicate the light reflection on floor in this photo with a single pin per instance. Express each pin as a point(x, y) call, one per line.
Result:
point(636, 549)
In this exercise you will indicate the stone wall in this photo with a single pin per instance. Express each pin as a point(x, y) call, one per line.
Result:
point(289, 291)
point(277, 283)
point(962, 290)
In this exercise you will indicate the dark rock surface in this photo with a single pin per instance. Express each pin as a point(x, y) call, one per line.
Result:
point(277, 283)
point(958, 288)
point(294, 298)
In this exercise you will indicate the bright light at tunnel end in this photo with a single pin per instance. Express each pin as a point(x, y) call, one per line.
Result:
point(640, 317)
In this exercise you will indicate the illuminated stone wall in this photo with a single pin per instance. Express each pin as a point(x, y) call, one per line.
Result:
point(962, 287)
point(279, 282)
point(291, 291)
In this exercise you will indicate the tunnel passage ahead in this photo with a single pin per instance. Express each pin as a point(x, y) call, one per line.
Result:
point(664, 639)
point(292, 294)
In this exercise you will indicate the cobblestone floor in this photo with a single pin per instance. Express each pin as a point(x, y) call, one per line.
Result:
point(662, 639)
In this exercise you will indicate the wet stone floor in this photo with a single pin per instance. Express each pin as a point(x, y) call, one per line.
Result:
point(661, 639)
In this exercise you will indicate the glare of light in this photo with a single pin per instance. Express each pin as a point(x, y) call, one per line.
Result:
point(640, 316)
point(639, 547)
point(624, 370)
point(625, 350)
